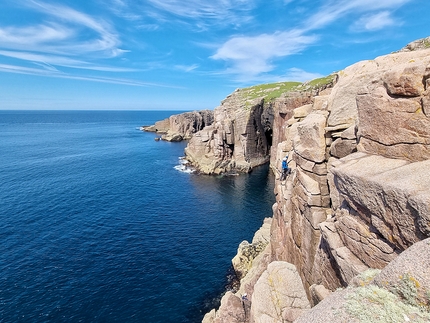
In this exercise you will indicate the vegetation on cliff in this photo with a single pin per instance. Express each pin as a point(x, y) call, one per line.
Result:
point(271, 91)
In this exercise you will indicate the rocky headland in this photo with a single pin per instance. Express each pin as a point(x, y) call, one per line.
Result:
point(181, 126)
point(349, 237)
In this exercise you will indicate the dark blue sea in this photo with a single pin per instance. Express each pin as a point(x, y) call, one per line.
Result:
point(99, 224)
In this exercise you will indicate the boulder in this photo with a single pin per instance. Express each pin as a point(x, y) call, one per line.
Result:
point(309, 142)
point(230, 311)
point(391, 195)
point(279, 295)
point(409, 274)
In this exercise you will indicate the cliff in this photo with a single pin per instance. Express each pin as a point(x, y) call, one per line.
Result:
point(241, 135)
point(357, 198)
point(181, 126)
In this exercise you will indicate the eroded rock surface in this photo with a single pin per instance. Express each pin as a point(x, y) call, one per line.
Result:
point(182, 126)
point(358, 196)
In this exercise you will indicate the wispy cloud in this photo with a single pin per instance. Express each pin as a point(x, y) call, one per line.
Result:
point(61, 61)
point(374, 22)
point(199, 14)
point(251, 56)
point(186, 68)
point(52, 72)
point(62, 38)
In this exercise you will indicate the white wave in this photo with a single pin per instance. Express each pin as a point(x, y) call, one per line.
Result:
point(184, 166)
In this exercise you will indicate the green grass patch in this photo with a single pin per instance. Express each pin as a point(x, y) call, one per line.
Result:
point(322, 81)
point(269, 91)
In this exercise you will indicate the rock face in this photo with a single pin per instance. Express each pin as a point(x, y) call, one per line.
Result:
point(357, 198)
point(359, 191)
point(236, 141)
point(278, 295)
point(182, 126)
point(399, 293)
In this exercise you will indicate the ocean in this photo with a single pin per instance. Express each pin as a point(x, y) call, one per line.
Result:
point(100, 223)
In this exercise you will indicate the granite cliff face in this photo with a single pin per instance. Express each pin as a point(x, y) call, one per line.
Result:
point(358, 196)
point(245, 128)
point(236, 141)
point(181, 126)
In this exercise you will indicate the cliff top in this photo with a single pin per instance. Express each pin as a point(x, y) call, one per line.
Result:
point(271, 91)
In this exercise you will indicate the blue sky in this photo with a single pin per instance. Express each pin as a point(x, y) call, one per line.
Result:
point(185, 55)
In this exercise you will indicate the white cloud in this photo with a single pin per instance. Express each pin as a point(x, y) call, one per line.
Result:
point(186, 68)
point(47, 59)
point(375, 22)
point(59, 32)
point(252, 56)
point(196, 14)
point(52, 72)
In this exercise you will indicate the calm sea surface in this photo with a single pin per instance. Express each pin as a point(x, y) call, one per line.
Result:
point(97, 224)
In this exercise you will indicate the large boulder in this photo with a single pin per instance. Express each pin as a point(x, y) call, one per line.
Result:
point(279, 295)
point(392, 196)
point(398, 293)
point(409, 275)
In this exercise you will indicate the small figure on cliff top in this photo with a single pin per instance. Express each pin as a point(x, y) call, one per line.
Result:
point(285, 169)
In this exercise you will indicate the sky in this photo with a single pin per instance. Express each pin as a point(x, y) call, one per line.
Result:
point(185, 54)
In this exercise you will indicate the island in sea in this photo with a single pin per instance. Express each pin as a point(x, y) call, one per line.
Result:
point(349, 240)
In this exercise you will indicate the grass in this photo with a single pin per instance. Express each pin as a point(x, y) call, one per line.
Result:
point(271, 91)
point(319, 82)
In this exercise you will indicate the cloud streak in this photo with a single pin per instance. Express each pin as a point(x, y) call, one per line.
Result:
point(197, 14)
point(52, 72)
point(253, 56)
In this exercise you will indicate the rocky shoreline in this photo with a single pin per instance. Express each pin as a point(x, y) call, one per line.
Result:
point(349, 237)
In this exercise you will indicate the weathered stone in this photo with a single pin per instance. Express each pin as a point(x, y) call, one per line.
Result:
point(247, 252)
point(372, 249)
point(318, 293)
point(279, 295)
point(303, 111)
point(395, 127)
point(405, 81)
point(347, 264)
point(238, 142)
point(321, 102)
point(343, 147)
point(393, 195)
point(310, 141)
point(259, 265)
point(230, 311)
point(182, 126)
point(349, 133)
point(409, 274)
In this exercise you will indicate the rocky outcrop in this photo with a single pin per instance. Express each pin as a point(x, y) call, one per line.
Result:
point(398, 293)
point(245, 129)
point(359, 192)
point(278, 295)
point(182, 126)
point(236, 141)
point(247, 252)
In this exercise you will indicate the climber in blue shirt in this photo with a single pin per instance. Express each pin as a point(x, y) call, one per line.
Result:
point(285, 169)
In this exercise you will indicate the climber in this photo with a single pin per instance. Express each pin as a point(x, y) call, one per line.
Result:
point(285, 169)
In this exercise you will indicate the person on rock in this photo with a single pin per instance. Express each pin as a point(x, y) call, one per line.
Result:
point(285, 169)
